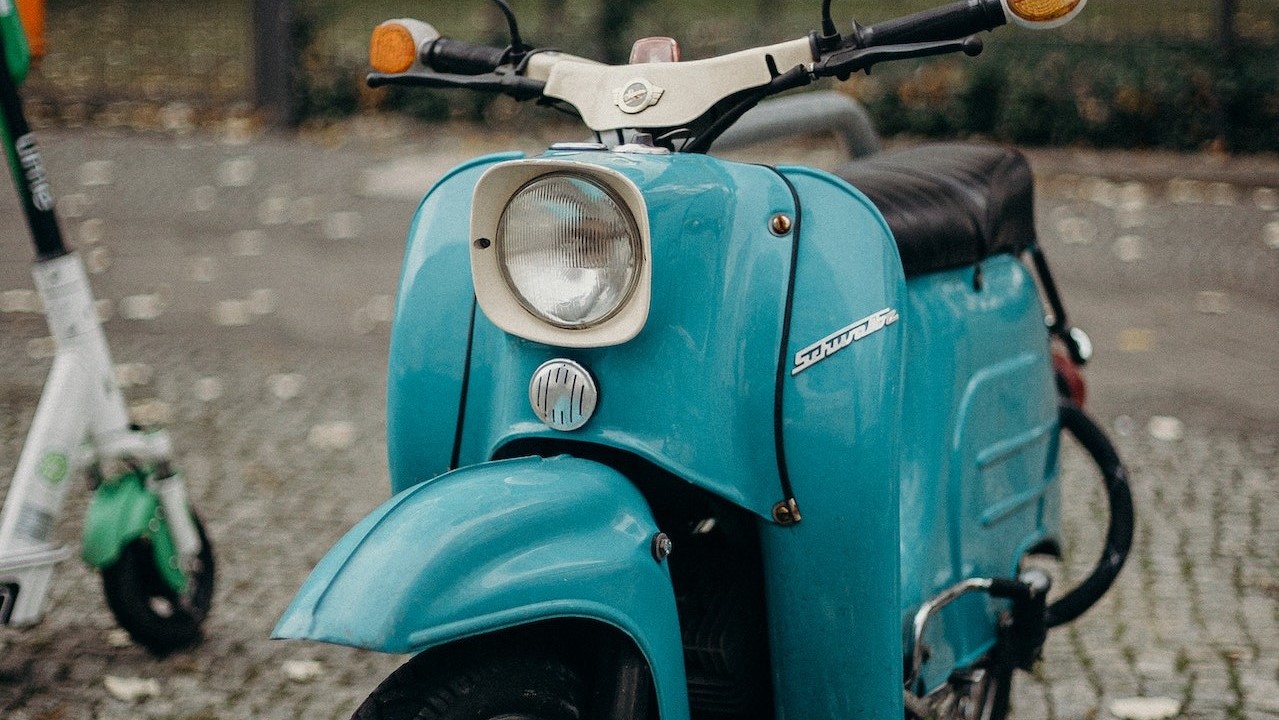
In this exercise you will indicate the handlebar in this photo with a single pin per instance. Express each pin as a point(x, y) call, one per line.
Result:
point(949, 22)
point(460, 57)
point(411, 52)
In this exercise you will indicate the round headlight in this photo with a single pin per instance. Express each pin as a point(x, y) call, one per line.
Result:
point(569, 249)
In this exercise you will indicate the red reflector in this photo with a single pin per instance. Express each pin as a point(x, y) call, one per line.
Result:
point(1069, 377)
point(654, 50)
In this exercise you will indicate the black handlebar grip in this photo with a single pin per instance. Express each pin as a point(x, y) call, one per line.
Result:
point(461, 58)
point(949, 22)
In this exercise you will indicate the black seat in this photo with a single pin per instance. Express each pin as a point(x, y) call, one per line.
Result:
point(950, 205)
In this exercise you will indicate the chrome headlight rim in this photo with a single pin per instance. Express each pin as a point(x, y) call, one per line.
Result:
point(634, 236)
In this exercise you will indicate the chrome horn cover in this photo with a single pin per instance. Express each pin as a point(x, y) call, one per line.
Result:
point(563, 394)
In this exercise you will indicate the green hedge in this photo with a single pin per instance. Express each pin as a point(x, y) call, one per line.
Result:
point(1100, 95)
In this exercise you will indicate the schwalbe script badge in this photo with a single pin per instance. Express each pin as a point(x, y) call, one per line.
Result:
point(842, 338)
point(636, 96)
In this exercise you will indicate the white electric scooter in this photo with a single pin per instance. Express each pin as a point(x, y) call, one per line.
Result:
point(140, 532)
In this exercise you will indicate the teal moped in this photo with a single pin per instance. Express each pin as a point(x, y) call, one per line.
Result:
point(677, 437)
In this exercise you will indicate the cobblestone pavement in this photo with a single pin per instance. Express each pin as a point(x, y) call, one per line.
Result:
point(248, 284)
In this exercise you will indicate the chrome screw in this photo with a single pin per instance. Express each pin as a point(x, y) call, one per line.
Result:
point(780, 224)
point(661, 546)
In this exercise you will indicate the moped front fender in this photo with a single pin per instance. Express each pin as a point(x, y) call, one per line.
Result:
point(495, 546)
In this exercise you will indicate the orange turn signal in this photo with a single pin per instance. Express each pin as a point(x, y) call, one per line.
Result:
point(1043, 11)
point(392, 48)
point(32, 14)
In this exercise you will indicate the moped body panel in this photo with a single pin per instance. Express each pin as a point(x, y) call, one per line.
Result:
point(430, 340)
point(833, 600)
point(979, 458)
point(493, 546)
point(693, 392)
point(925, 449)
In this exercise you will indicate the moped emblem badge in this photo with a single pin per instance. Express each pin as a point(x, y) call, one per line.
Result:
point(842, 338)
point(637, 96)
point(563, 394)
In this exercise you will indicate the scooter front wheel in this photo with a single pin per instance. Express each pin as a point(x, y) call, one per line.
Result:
point(481, 686)
point(155, 616)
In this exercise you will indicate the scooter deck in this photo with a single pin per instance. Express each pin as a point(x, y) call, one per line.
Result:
point(24, 583)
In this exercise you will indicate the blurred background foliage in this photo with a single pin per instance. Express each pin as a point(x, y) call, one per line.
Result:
point(1131, 73)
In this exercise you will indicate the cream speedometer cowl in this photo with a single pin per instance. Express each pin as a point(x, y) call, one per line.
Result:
point(687, 89)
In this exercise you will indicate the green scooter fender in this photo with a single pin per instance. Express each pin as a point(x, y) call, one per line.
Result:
point(496, 546)
point(123, 511)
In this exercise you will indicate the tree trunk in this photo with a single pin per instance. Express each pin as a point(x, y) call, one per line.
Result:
point(1225, 91)
point(273, 61)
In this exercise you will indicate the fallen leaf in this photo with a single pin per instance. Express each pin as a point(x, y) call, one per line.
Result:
point(131, 689)
point(1141, 708)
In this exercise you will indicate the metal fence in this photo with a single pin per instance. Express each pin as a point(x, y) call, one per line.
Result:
point(122, 62)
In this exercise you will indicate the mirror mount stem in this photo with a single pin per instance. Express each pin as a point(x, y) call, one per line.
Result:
point(830, 38)
point(518, 49)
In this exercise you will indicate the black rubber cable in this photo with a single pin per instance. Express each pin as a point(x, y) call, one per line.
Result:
point(1118, 535)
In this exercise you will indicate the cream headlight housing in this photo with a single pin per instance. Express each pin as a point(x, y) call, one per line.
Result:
point(560, 252)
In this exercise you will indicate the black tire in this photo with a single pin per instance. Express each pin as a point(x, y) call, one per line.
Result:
point(478, 686)
point(144, 604)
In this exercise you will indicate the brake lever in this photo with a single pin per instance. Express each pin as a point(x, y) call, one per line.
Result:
point(845, 62)
point(516, 86)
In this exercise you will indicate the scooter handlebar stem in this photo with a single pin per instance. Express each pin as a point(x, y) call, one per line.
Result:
point(27, 167)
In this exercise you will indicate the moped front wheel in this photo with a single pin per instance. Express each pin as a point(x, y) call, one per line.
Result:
point(513, 687)
point(156, 617)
